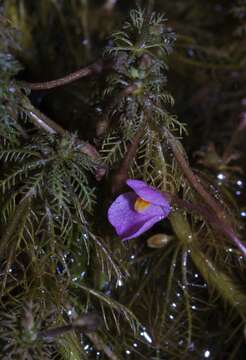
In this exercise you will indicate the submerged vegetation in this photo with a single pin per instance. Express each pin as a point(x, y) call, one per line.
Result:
point(93, 93)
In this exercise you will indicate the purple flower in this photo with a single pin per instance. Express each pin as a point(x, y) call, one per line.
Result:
point(135, 212)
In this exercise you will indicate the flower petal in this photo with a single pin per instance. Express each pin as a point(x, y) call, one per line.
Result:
point(150, 194)
point(127, 222)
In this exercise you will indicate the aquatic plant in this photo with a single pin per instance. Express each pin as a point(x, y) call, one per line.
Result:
point(70, 288)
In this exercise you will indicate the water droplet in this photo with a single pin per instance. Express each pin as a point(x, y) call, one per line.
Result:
point(221, 176)
point(190, 52)
point(146, 336)
point(85, 42)
point(239, 183)
point(12, 89)
point(99, 109)
point(119, 283)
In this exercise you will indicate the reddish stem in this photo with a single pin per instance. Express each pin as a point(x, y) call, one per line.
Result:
point(42, 121)
point(213, 219)
point(92, 69)
point(119, 179)
point(193, 180)
point(216, 219)
point(235, 137)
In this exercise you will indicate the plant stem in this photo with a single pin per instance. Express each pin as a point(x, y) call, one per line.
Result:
point(13, 224)
point(44, 122)
point(234, 139)
point(222, 282)
point(93, 69)
point(119, 179)
point(85, 323)
point(101, 346)
point(193, 180)
point(218, 220)
point(214, 221)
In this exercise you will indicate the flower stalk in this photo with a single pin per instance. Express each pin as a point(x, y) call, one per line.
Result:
point(122, 173)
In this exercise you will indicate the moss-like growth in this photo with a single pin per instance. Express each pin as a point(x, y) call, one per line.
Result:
point(71, 289)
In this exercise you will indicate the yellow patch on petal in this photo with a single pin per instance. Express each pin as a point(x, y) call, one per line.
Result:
point(140, 205)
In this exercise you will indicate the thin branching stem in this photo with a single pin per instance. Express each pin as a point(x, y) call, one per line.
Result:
point(234, 140)
point(219, 218)
point(213, 220)
point(215, 277)
point(121, 175)
point(169, 286)
point(84, 323)
point(42, 121)
point(100, 345)
point(93, 69)
point(193, 180)
point(186, 294)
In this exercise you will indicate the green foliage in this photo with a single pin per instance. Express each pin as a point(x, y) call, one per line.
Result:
point(19, 331)
point(59, 258)
point(49, 174)
point(147, 107)
point(9, 66)
point(9, 128)
point(140, 69)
